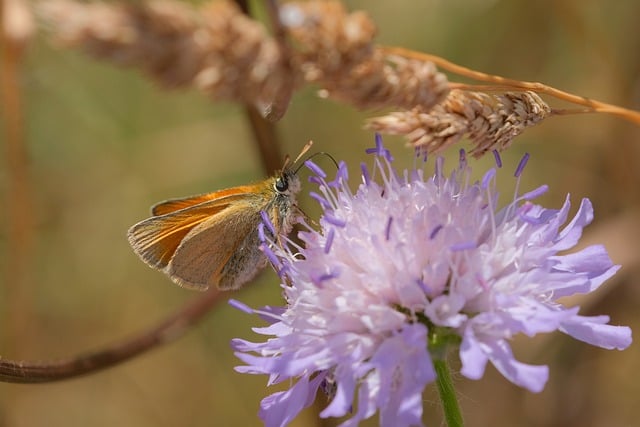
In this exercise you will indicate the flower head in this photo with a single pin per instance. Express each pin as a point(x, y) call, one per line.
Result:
point(410, 264)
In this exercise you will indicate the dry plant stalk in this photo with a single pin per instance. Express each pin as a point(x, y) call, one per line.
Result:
point(490, 121)
point(228, 56)
point(336, 51)
point(216, 49)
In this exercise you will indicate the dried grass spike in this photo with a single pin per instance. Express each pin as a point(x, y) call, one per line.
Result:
point(502, 117)
point(489, 121)
point(335, 49)
point(240, 60)
point(216, 49)
point(326, 37)
point(428, 131)
point(156, 37)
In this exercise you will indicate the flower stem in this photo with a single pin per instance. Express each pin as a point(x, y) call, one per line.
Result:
point(448, 394)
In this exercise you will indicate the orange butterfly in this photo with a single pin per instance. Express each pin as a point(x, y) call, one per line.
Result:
point(212, 239)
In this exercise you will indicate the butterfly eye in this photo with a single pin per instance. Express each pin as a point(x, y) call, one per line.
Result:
point(281, 184)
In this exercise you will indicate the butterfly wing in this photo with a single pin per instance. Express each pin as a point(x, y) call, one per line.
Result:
point(222, 251)
point(156, 239)
point(173, 205)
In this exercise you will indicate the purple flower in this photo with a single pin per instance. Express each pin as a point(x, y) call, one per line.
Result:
point(406, 266)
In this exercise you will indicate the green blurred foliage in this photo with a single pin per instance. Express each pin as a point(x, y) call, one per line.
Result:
point(105, 144)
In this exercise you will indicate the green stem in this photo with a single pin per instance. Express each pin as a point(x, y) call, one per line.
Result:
point(448, 394)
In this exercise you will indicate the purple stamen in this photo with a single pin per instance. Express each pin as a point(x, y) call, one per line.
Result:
point(320, 199)
point(329, 241)
point(270, 314)
point(334, 221)
point(423, 286)
point(318, 279)
point(271, 256)
point(521, 165)
point(420, 152)
point(261, 234)
point(315, 169)
point(497, 158)
point(379, 149)
point(343, 172)
point(488, 177)
point(342, 175)
point(240, 306)
point(314, 179)
point(435, 231)
point(458, 247)
point(387, 231)
point(267, 221)
point(462, 158)
point(365, 174)
point(535, 193)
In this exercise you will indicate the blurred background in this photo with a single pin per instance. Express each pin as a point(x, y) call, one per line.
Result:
point(104, 144)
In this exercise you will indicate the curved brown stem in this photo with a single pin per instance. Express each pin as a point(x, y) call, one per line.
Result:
point(594, 105)
point(167, 331)
point(265, 138)
point(263, 130)
point(278, 107)
point(16, 30)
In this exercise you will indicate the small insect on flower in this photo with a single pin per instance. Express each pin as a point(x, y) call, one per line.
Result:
point(212, 239)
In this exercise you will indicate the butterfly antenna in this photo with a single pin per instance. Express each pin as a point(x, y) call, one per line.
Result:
point(319, 153)
point(306, 148)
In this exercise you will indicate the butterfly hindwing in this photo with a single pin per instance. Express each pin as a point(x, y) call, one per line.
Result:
point(203, 257)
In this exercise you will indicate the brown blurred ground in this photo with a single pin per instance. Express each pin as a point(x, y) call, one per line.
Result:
point(105, 144)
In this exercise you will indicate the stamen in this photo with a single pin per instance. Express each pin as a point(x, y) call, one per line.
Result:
point(498, 159)
point(423, 286)
point(334, 221)
point(318, 279)
point(271, 256)
point(462, 159)
point(387, 231)
point(343, 171)
point(366, 177)
point(379, 149)
point(521, 165)
point(315, 169)
point(323, 202)
point(329, 241)
point(458, 247)
point(240, 306)
point(438, 174)
point(267, 221)
point(487, 178)
point(314, 179)
point(435, 231)
point(535, 193)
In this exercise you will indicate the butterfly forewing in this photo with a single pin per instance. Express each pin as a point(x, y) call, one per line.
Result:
point(173, 205)
point(156, 239)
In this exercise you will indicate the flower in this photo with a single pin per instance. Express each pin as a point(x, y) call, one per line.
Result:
point(410, 265)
